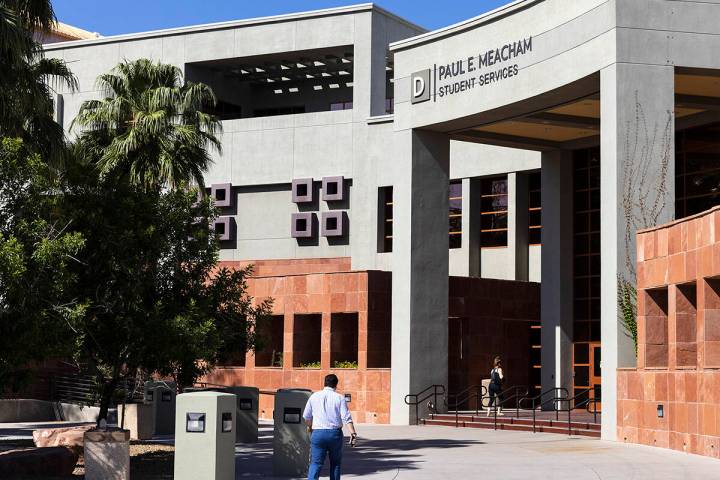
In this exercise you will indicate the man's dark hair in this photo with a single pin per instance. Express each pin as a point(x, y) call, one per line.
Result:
point(331, 380)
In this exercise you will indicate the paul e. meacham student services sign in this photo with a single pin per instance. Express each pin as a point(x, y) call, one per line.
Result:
point(467, 74)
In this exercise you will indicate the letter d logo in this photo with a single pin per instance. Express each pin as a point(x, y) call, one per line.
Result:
point(420, 86)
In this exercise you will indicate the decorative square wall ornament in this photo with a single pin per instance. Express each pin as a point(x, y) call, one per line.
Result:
point(333, 224)
point(302, 190)
point(222, 194)
point(222, 226)
point(301, 225)
point(333, 189)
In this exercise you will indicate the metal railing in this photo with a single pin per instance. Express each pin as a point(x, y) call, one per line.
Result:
point(586, 402)
point(477, 392)
point(433, 391)
point(556, 400)
point(520, 393)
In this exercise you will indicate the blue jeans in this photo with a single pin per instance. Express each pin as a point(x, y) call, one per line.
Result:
point(324, 442)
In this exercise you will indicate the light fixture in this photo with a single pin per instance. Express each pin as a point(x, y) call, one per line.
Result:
point(334, 85)
point(195, 422)
point(318, 63)
point(227, 422)
point(349, 84)
point(325, 74)
point(243, 71)
point(293, 89)
point(259, 70)
point(270, 80)
point(660, 411)
point(283, 67)
point(245, 404)
point(278, 90)
point(307, 75)
point(317, 87)
point(345, 60)
point(343, 72)
point(300, 65)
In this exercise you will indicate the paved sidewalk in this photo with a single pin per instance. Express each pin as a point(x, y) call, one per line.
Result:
point(446, 453)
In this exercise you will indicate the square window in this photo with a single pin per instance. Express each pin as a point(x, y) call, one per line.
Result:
point(301, 225)
point(302, 190)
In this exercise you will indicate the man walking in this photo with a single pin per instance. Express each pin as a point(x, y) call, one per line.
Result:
point(325, 414)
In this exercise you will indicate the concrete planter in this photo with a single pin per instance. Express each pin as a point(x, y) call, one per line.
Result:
point(107, 455)
point(139, 420)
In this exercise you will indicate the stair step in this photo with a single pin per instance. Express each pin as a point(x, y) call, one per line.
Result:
point(515, 421)
point(556, 428)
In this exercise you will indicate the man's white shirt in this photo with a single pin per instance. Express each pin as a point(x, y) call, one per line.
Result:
point(327, 409)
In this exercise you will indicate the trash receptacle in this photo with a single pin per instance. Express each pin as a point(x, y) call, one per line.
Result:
point(246, 423)
point(291, 443)
point(161, 395)
point(204, 436)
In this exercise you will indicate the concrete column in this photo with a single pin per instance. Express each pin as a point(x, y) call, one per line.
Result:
point(556, 289)
point(518, 223)
point(371, 46)
point(420, 271)
point(637, 189)
point(471, 224)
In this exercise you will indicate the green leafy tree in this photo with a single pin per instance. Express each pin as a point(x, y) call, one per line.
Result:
point(152, 297)
point(37, 253)
point(151, 127)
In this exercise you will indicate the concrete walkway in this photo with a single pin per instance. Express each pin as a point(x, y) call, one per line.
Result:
point(447, 453)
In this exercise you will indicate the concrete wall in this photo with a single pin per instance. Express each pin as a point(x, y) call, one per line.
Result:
point(30, 410)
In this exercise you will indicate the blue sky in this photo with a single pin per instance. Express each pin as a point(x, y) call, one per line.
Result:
point(127, 16)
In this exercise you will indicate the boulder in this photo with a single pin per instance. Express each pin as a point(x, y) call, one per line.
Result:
point(71, 437)
point(45, 462)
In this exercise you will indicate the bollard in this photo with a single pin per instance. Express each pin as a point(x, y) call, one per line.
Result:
point(204, 436)
point(291, 443)
point(246, 423)
point(161, 395)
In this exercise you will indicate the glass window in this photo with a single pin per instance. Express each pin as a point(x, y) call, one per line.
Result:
point(385, 217)
point(534, 209)
point(455, 213)
point(494, 210)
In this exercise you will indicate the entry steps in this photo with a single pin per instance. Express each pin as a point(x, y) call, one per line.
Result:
point(510, 422)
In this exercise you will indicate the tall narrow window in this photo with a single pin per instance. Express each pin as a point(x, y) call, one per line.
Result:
point(385, 219)
point(455, 214)
point(535, 209)
point(494, 212)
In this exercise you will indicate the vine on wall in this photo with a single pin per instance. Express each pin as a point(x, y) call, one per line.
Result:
point(646, 161)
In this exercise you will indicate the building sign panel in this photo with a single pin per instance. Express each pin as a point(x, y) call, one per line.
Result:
point(469, 73)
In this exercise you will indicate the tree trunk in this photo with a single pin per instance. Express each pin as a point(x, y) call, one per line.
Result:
point(106, 395)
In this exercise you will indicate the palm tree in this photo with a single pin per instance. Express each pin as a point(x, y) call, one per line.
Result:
point(27, 79)
point(151, 127)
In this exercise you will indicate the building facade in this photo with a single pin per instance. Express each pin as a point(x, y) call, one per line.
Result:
point(524, 145)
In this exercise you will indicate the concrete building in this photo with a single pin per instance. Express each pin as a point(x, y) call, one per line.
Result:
point(353, 139)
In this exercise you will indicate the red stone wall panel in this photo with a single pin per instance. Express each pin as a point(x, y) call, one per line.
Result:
point(682, 258)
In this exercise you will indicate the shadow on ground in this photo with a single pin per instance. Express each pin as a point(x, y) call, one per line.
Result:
point(370, 456)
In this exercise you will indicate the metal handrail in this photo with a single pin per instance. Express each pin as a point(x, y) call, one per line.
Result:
point(473, 391)
point(499, 404)
point(594, 401)
point(572, 404)
point(436, 390)
point(553, 390)
point(557, 401)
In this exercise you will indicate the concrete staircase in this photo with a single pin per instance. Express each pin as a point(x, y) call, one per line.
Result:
point(544, 423)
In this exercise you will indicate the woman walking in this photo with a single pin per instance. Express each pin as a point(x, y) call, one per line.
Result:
point(495, 388)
